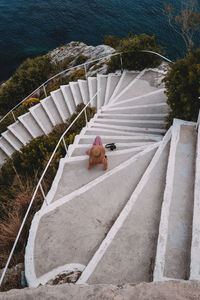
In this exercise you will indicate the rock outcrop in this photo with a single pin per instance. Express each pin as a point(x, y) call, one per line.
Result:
point(74, 50)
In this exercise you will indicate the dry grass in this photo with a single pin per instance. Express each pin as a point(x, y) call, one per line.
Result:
point(10, 225)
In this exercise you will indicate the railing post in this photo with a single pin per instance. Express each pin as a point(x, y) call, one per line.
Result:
point(13, 116)
point(65, 145)
point(121, 63)
point(198, 119)
point(44, 89)
point(86, 119)
point(43, 194)
point(85, 67)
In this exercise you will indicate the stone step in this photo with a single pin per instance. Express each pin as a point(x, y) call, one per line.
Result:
point(195, 246)
point(158, 108)
point(157, 96)
point(69, 230)
point(83, 85)
point(128, 250)
point(69, 99)
point(112, 82)
point(101, 87)
point(143, 84)
point(3, 157)
point(105, 115)
point(81, 149)
point(125, 80)
point(12, 139)
point(133, 123)
point(6, 147)
point(20, 132)
point(60, 104)
point(51, 110)
point(92, 85)
point(75, 173)
point(110, 132)
point(41, 117)
point(128, 128)
point(76, 93)
point(84, 139)
point(31, 125)
point(175, 232)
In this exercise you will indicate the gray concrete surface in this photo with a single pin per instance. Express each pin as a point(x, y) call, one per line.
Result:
point(72, 232)
point(82, 148)
point(76, 174)
point(149, 99)
point(171, 290)
point(146, 84)
point(177, 259)
point(130, 256)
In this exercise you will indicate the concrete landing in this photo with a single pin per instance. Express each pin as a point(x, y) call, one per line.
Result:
point(175, 233)
point(75, 173)
point(130, 253)
point(69, 232)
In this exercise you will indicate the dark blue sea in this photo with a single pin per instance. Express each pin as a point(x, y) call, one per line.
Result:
point(33, 27)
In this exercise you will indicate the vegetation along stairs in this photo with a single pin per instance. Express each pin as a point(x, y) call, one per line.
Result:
point(138, 220)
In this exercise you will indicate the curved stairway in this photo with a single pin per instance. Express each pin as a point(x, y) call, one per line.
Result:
point(116, 226)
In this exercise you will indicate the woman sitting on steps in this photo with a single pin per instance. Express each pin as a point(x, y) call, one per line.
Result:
point(97, 154)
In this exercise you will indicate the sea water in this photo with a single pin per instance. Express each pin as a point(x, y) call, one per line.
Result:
point(33, 27)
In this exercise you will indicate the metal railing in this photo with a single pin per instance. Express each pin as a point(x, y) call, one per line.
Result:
point(42, 86)
point(39, 185)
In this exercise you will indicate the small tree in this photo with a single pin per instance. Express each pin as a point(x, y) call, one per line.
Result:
point(132, 57)
point(183, 88)
point(185, 23)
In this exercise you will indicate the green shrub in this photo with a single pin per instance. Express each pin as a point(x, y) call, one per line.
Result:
point(183, 88)
point(134, 59)
point(31, 74)
point(77, 74)
point(111, 41)
point(81, 59)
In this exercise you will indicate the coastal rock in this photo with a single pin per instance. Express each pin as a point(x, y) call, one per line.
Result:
point(73, 50)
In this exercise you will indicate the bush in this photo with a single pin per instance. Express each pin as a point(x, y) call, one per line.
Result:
point(183, 88)
point(31, 74)
point(81, 59)
point(77, 74)
point(111, 41)
point(134, 59)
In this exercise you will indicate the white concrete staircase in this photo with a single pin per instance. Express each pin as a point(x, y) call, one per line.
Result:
point(133, 222)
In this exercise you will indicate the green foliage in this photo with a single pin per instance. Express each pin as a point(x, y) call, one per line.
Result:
point(31, 74)
point(81, 59)
point(77, 74)
point(183, 88)
point(111, 41)
point(134, 59)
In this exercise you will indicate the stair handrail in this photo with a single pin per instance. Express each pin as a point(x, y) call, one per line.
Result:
point(74, 67)
point(39, 184)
